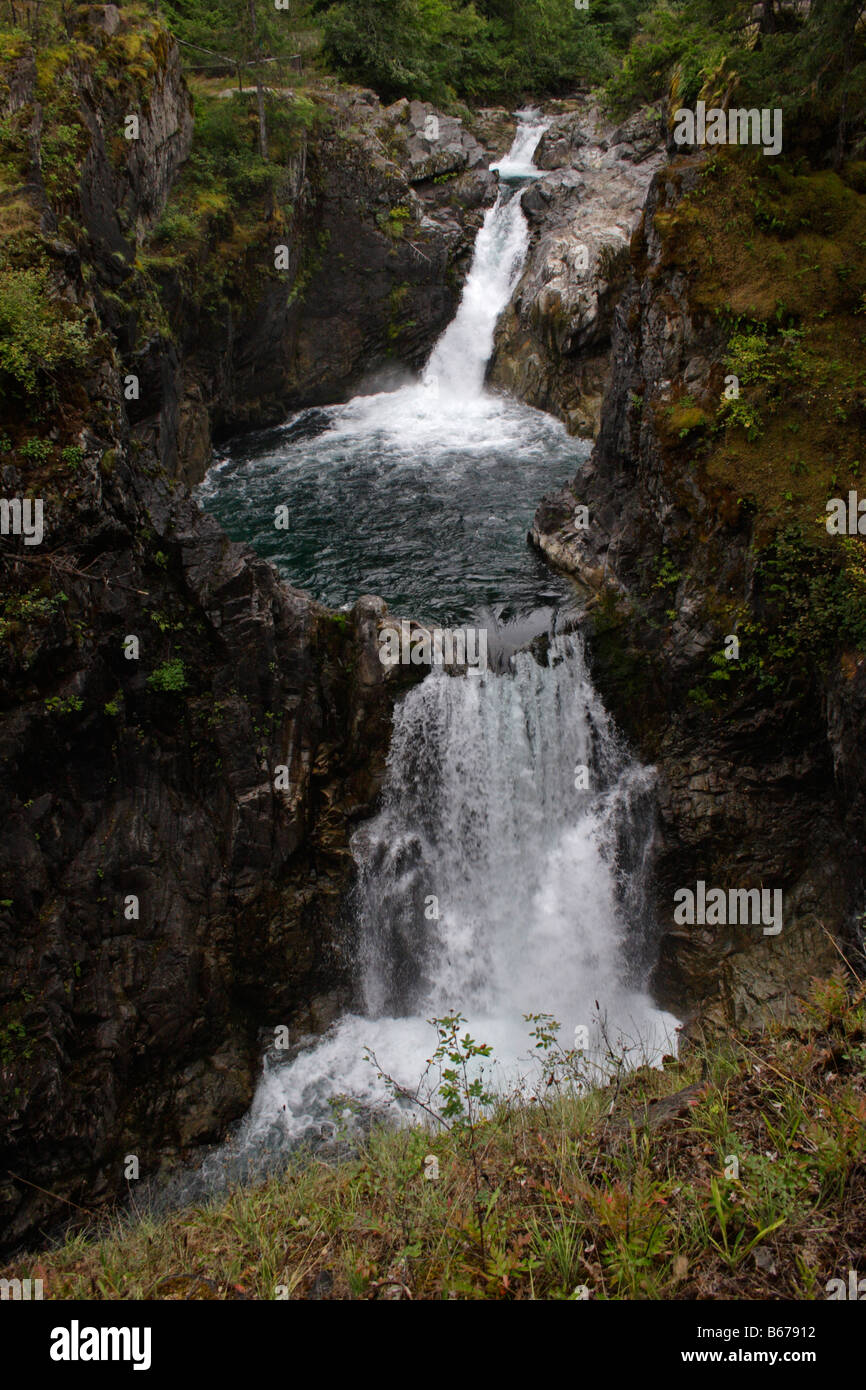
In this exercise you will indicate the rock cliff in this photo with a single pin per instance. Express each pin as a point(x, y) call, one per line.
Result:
point(186, 741)
point(726, 626)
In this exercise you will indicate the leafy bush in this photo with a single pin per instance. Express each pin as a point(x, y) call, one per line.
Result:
point(36, 450)
point(811, 603)
point(25, 609)
point(771, 362)
point(70, 704)
point(169, 678)
point(37, 338)
point(817, 602)
point(174, 226)
point(62, 148)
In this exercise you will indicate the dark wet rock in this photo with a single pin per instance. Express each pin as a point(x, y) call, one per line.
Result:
point(175, 855)
point(768, 793)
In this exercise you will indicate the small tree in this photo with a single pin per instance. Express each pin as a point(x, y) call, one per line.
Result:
point(249, 36)
point(463, 1097)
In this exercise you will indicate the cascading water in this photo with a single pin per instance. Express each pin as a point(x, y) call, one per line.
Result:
point(493, 878)
point(458, 362)
point(422, 495)
point(504, 873)
point(518, 163)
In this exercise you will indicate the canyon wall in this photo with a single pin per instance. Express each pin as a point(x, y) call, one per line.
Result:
point(186, 741)
point(704, 523)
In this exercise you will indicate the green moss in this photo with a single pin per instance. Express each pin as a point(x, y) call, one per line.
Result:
point(775, 255)
point(14, 1042)
point(684, 420)
point(393, 222)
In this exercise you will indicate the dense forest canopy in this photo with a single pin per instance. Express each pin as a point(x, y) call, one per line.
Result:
point(809, 60)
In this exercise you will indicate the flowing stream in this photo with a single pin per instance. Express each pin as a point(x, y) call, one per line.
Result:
point(505, 871)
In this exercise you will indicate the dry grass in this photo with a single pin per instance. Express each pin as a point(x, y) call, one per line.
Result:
point(617, 1193)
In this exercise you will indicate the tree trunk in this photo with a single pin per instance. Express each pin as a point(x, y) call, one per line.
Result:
point(260, 95)
point(263, 128)
point(768, 17)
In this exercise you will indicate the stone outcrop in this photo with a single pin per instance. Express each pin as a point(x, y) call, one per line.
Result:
point(552, 346)
point(186, 742)
point(767, 791)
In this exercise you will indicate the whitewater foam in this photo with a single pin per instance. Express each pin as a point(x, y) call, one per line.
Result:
point(490, 883)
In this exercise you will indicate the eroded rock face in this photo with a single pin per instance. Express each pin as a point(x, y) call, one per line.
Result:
point(175, 850)
point(383, 207)
point(769, 793)
point(434, 144)
point(552, 345)
point(186, 742)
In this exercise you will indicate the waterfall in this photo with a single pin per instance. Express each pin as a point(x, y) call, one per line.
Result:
point(501, 875)
point(459, 360)
point(505, 872)
point(493, 883)
point(517, 164)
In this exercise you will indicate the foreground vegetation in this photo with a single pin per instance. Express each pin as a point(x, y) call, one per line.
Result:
point(738, 1171)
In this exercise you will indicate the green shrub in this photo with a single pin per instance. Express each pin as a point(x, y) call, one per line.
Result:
point(169, 678)
point(69, 704)
point(22, 610)
point(36, 450)
point(174, 226)
point(62, 150)
point(37, 338)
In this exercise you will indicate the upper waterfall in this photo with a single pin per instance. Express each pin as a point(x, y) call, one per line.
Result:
point(458, 361)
